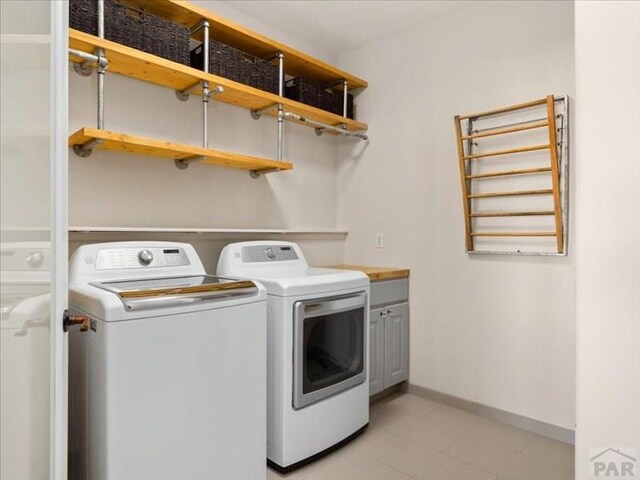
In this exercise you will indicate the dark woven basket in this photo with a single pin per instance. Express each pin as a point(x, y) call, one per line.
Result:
point(132, 27)
point(237, 65)
point(318, 95)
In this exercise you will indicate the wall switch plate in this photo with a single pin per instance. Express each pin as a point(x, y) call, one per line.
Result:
point(379, 240)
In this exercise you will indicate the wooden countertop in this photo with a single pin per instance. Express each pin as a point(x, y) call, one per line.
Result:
point(377, 273)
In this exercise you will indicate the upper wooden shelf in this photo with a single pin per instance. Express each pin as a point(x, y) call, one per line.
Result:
point(159, 71)
point(120, 142)
point(242, 38)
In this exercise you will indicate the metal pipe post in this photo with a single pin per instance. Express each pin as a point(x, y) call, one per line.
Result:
point(205, 26)
point(101, 73)
point(205, 88)
point(101, 18)
point(101, 66)
point(345, 95)
point(280, 106)
point(205, 114)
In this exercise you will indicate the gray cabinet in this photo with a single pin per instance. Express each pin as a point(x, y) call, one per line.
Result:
point(388, 334)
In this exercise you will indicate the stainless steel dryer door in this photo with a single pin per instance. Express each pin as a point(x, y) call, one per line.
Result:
point(329, 347)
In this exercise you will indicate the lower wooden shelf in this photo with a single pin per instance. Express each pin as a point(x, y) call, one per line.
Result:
point(121, 142)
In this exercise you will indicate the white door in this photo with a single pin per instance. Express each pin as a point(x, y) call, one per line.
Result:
point(33, 239)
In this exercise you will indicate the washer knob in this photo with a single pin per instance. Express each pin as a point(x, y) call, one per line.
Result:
point(145, 257)
point(270, 253)
point(35, 259)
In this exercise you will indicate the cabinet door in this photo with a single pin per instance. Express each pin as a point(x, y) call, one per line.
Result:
point(376, 350)
point(396, 344)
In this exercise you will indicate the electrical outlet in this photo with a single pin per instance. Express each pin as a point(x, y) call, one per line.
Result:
point(379, 240)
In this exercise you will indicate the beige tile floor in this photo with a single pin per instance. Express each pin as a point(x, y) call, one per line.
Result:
point(411, 438)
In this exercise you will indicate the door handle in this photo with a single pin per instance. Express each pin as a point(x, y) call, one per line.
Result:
point(69, 321)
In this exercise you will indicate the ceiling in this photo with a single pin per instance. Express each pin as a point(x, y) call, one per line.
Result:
point(343, 25)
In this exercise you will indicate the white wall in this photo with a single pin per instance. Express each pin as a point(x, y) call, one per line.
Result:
point(114, 190)
point(254, 22)
point(608, 229)
point(494, 330)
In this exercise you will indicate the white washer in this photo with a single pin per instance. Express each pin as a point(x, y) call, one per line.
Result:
point(25, 279)
point(318, 393)
point(170, 380)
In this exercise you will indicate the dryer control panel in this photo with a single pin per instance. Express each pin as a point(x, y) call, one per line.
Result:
point(267, 253)
point(243, 258)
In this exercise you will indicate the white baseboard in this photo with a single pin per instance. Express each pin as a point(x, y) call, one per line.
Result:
point(535, 426)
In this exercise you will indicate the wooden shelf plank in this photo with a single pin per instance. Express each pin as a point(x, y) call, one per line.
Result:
point(503, 173)
point(555, 174)
point(510, 108)
point(159, 71)
point(510, 194)
point(532, 213)
point(296, 63)
point(507, 152)
point(120, 142)
point(502, 131)
point(513, 234)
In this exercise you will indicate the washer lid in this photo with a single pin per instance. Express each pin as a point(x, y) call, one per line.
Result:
point(148, 293)
point(287, 282)
point(283, 269)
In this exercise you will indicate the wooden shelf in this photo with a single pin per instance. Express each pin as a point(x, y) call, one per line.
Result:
point(159, 71)
point(120, 142)
point(87, 230)
point(242, 38)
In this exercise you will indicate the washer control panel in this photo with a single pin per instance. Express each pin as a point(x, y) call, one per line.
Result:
point(124, 258)
point(18, 258)
point(268, 253)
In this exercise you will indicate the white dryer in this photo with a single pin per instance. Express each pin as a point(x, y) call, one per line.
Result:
point(318, 393)
point(170, 380)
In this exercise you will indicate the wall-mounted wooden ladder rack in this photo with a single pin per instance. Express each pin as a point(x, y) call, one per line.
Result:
point(89, 52)
point(557, 146)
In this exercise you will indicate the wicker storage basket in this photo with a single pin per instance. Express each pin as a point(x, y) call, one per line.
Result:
point(318, 95)
point(238, 66)
point(132, 27)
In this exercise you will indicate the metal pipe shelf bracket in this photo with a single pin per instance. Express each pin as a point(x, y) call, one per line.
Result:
point(84, 69)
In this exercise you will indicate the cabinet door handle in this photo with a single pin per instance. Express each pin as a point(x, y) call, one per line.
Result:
point(390, 312)
point(383, 314)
